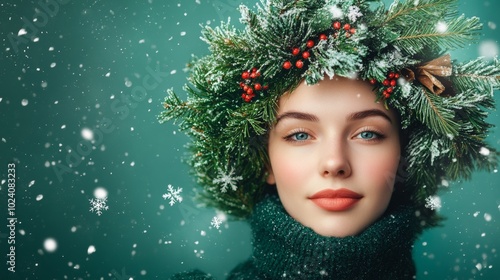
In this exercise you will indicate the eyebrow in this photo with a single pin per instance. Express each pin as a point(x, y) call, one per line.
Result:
point(297, 115)
point(313, 118)
point(369, 113)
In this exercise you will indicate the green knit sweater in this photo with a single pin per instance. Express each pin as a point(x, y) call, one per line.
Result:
point(285, 249)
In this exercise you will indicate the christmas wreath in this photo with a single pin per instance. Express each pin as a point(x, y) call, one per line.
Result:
point(401, 50)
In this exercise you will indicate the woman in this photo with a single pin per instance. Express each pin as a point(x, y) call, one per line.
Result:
point(334, 154)
point(328, 125)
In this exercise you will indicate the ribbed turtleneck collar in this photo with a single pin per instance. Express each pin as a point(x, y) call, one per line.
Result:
point(283, 248)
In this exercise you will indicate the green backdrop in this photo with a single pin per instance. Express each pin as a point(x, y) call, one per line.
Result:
point(81, 86)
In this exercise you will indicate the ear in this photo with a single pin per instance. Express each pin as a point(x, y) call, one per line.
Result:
point(270, 177)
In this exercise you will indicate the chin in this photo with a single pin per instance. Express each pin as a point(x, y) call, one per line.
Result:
point(336, 233)
point(336, 230)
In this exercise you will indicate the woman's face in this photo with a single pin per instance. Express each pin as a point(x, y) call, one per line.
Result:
point(334, 153)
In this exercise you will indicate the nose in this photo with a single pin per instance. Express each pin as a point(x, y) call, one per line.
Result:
point(335, 161)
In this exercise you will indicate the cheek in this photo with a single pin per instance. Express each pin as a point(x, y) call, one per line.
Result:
point(287, 169)
point(381, 170)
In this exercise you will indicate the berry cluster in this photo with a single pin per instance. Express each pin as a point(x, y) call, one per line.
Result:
point(250, 84)
point(388, 84)
point(304, 55)
point(349, 30)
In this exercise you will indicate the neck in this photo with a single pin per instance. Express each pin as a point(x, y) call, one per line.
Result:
point(283, 248)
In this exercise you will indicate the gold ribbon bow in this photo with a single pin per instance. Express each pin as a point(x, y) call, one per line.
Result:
point(426, 73)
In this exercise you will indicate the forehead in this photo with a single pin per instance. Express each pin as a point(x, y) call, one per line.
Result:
point(329, 97)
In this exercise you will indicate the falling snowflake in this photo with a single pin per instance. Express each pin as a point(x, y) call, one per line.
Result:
point(484, 151)
point(227, 180)
point(354, 13)
point(97, 205)
point(433, 202)
point(488, 49)
point(441, 27)
point(216, 222)
point(173, 195)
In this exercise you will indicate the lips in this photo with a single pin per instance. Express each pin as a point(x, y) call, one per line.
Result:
point(336, 200)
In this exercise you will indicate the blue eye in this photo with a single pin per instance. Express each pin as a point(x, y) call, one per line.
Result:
point(301, 136)
point(298, 137)
point(369, 135)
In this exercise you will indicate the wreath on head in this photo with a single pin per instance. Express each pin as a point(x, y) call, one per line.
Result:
point(401, 50)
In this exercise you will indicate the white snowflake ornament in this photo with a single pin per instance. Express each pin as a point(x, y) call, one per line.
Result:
point(433, 202)
point(227, 179)
point(216, 222)
point(173, 195)
point(354, 13)
point(97, 205)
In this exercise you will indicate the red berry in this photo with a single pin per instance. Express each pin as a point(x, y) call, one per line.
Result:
point(295, 51)
point(287, 65)
point(386, 94)
point(245, 87)
point(389, 90)
point(249, 91)
point(306, 55)
point(323, 37)
point(310, 44)
point(373, 81)
point(347, 26)
point(247, 97)
point(253, 75)
point(386, 83)
point(257, 74)
point(254, 69)
point(299, 64)
point(352, 30)
point(391, 75)
point(242, 84)
point(396, 76)
point(393, 83)
point(245, 75)
point(266, 87)
point(257, 86)
point(336, 25)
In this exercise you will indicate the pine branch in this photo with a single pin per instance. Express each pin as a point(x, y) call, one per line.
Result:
point(306, 5)
point(174, 108)
point(459, 31)
point(471, 102)
point(421, 153)
point(477, 74)
point(431, 112)
point(332, 62)
point(468, 156)
point(248, 17)
point(399, 13)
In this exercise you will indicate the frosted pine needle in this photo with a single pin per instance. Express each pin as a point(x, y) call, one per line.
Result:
point(173, 195)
